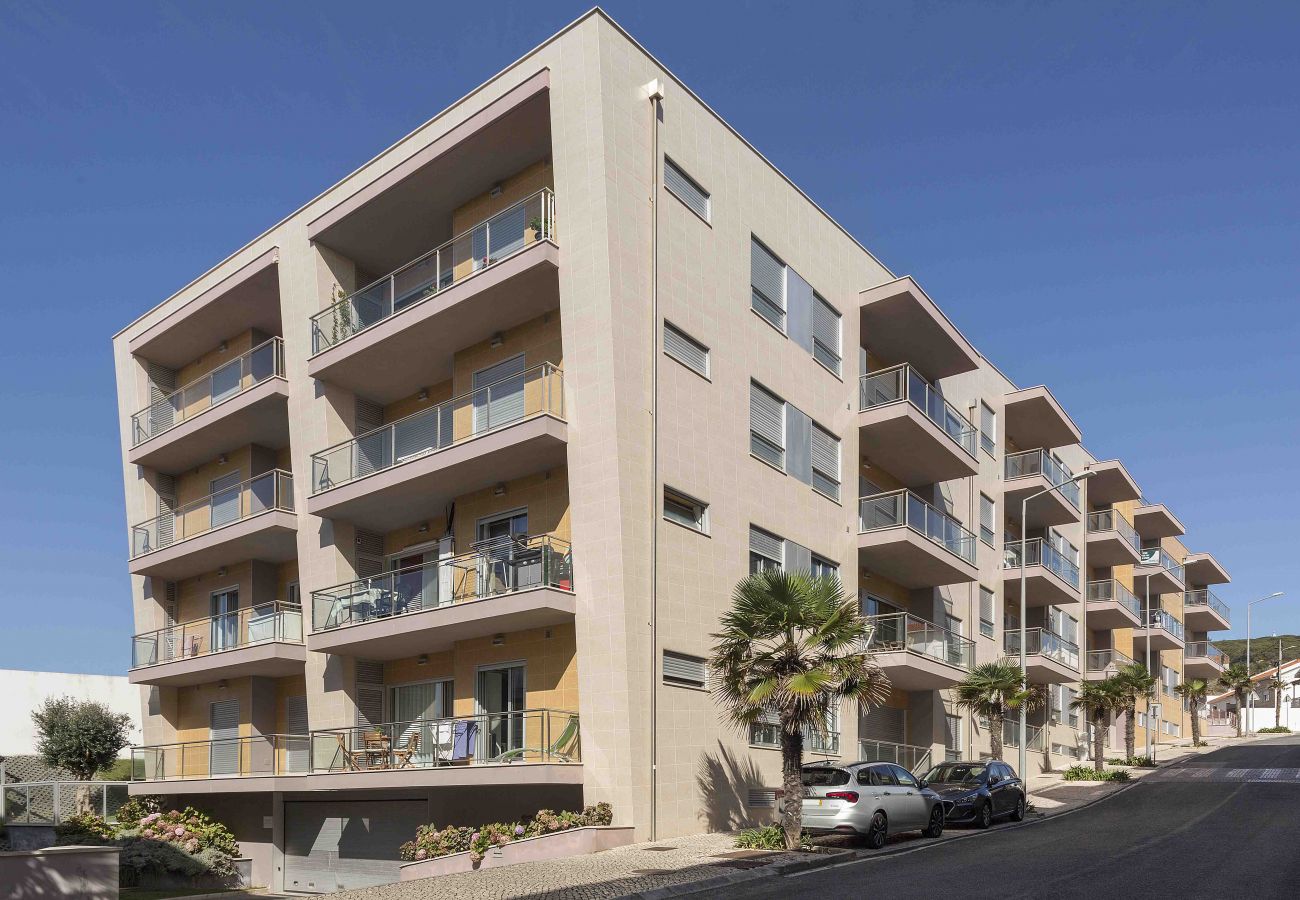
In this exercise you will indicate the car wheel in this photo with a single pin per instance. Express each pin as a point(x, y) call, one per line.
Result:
point(877, 831)
point(984, 817)
point(935, 828)
point(1018, 814)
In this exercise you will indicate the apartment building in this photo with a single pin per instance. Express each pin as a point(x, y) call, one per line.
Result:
point(437, 488)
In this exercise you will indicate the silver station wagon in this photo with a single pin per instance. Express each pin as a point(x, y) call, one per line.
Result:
point(871, 799)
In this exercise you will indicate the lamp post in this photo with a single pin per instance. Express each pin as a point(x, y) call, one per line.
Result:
point(1250, 694)
point(1150, 750)
point(1024, 606)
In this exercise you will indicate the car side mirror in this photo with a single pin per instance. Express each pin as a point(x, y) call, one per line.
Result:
point(923, 783)
point(994, 779)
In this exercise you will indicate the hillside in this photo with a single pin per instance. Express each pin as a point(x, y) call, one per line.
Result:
point(1263, 650)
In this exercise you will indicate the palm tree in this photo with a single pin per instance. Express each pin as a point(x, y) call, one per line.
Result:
point(1276, 685)
point(991, 690)
point(1194, 691)
point(792, 647)
point(1096, 700)
point(1132, 681)
point(1237, 679)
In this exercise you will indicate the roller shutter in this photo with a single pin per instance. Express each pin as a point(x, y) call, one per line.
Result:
point(884, 723)
point(337, 845)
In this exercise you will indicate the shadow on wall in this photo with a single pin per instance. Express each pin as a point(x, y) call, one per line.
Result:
point(86, 873)
point(724, 783)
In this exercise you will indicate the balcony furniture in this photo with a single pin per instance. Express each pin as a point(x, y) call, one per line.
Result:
point(402, 758)
point(351, 761)
point(561, 749)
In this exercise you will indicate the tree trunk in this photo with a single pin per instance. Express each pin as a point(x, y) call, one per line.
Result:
point(1098, 741)
point(792, 786)
point(1241, 711)
point(1277, 706)
point(995, 737)
point(1130, 731)
point(1196, 723)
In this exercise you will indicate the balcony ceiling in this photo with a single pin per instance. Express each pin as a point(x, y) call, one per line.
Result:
point(1153, 520)
point(406, 213)
point(1111, 484)
point(900, 324)
point(273, 659)
point(1034, 419)
point(1202, 568)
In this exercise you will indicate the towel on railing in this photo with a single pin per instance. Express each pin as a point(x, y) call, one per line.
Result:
point(462, 746)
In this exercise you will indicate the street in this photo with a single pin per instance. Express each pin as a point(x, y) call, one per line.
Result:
point(1221, 825)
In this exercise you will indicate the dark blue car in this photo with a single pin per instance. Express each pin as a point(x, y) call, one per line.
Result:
point(976, 793)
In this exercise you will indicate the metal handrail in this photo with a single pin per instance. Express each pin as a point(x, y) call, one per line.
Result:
point(253, 367)
point(1041, 642)
point(893, 509)
point(1011, 735)
point(1208, 650)
point(535, 391)
point(902, 382)
point(1112, 520)
point(498, 567)
point(477, 248)
point(256, 624)
point(269, 491)
point(1040, 462)
point(1157, 556)
point(1163, 620)
point(903, 631)
point(1038, 552)
point(766, 732)
point(1100, 660)
point(51, 802)
point(1109, 590)
point(237, 757)
point(914, 759)
point(1206, 597)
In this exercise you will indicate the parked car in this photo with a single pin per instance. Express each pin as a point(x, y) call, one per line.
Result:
point(872, 799)
point(977, 792)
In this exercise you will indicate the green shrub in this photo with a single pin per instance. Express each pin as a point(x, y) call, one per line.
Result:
point(1088, 773)
point(769, 837)
point(1276, 729)
point(430, 842)
point(1137, 762)
point(136, 808)
point(83, 828)
point(190, 830)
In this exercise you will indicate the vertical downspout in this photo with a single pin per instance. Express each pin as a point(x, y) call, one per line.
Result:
point(655, 93)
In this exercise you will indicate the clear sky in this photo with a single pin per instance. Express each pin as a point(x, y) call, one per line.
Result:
point(1104, 197)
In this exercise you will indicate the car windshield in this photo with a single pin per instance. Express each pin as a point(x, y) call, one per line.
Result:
point(824, 777)
point(963, 773)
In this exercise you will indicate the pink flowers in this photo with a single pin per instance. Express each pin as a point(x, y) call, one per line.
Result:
point(192, 845)
point(421, 853)
point(180, 831)
point(151, 818)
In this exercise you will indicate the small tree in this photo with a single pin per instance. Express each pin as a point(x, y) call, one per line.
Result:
point(80, 736)
point(1194, 691)
point(992, 690)
point(1237, 679)
point(1096, 700)
point(792, 647)
point(1131, 682)
point(1277, 685)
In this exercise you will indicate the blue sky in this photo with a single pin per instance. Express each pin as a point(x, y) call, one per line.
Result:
point(1103, 197)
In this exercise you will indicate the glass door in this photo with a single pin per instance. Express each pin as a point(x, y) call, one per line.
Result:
point(415, 708)
point(225, 620)
point(500, 701)
point(415, 580)
point(499, 541)
point(224, 502)
point(499, 394)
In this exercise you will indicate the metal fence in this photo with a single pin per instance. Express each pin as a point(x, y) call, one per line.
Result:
point(270, 490)
point(902, 382)
point(901, 631)
point(1111, 520)
point(239, 628)
point(1038, 552)
point(1111, 591)
point(1040, 462)
point(895, 508)
point(51, 802)
point(914, 759)
point(1040, 642)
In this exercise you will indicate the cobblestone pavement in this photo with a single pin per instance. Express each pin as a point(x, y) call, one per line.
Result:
point(613, 873)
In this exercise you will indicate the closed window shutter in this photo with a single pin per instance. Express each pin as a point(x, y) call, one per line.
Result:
point(884, 723)
point(986, 604)
point(295, 721)
point(952, 736)
point(166, 487)
point(767, 425)
point(368, 416)
point(766, 544)
point(767, 284)
point(417, 435)
point(370, 557)
point(680, 668)
point(162, 410)
point(826, 334)
point(370, 692)
point(506, 231)
point(826, 461)
point(686, 190)
point(223, 728)
point(499, 394)
point(685, 349)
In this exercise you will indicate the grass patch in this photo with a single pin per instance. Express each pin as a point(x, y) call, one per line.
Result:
point(1088, 773)
point(769, 837)
point(1276, 729)
point(1137, 762)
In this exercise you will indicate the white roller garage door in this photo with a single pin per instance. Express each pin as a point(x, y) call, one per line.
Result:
point(332, 845)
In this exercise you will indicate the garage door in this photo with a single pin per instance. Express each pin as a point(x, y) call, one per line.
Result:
point(332, 845)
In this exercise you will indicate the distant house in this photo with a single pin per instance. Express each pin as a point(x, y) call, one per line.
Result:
point(24, 691)
point(1222, 709)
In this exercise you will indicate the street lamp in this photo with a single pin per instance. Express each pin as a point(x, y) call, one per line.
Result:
point(1146, 732)
point(1024, 607)
point(1250, 694)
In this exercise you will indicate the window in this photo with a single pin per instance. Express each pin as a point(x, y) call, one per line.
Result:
point(1066, 750)
point(766, 425)
point(988, 428)
point(766, 550)
point(826, 334)
point(767, 284)
point(685, 671)
point(685, 510)
point(294, 594)
point(905, 778)
point(825, 462)
point(685, 189)
point(685, 349)
point(952, 737)
point(824, 568)
point(1067, 698)
point(988, 520)
point(986, 611)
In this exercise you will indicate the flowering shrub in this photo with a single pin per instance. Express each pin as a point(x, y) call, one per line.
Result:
point(83, 828)
point(431, 842)
point(190, 830)
point(134, 809)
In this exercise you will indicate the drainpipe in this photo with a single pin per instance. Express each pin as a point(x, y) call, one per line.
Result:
point(655, 94)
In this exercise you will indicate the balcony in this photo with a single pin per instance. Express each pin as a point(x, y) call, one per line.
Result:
point(918, 655)
point(908, 429)
point(1028, 473)
point(501, 586)
point(1111, 483)
point(258, 640)
point(393, 475)
point(1164, 632)
point(536, 746)
point(1201, 569)
point(901, 324)
point(766, 732)
point(252, 520)
point(1201, 659)
point(1153, 521)
point(1111, 605)
point(1160, 570)
point(1101, 664)
point(1204, 611)
point(1050, 578)
point(1112, 540)
point(908, 541)
point(1049, 658)
point(244, 401)
point(399, 333)
point(1011, 733)
point(915, 759)
point(1033, 418)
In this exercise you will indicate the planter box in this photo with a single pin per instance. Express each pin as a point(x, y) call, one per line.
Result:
point(561, 844)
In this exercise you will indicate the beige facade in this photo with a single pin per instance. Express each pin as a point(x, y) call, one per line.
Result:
point(477, 394)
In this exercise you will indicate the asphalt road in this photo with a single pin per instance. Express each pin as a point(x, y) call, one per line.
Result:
point(1226, 824)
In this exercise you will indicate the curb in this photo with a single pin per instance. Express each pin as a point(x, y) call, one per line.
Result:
point(708, 885)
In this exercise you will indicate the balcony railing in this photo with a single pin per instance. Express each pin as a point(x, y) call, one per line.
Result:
point(901, 631)
point(265, 492)
point(492, 568)
point(486, 244)
point(902, 382)
point(1038, 552)
point(1206, 597)
point(1011, 734)
point(53, 802)
point(903, 508)
point(1040, 462)
point(263, 754)
point(264, 361)
point(1040, 642)
point(535, 391)
point(1111, 520)
point(1101, 660)
point(1166, 622)
point(1156, 556)
point(767, 733)
point(1111, 591)
point(258, 624)
point(1208, 650)
point(914, 759)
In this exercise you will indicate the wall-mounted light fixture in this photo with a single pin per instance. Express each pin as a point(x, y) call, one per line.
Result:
point(422, 659)
point(424, 393)
point(497, 340)
point(499, 490)
point(496, 191)
point(424, 526)
point(498, 640)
